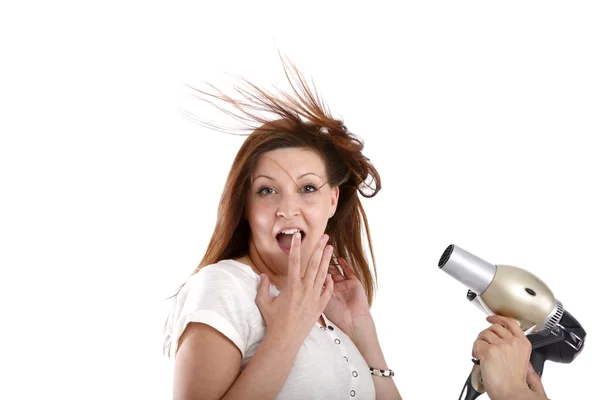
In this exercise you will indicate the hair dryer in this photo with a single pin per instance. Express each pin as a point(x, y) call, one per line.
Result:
point(515, 293)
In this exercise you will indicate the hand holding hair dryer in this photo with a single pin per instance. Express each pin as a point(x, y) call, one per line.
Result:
point(515, 293)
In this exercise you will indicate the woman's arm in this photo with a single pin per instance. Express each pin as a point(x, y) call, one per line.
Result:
point(265, 373)
point(207, 366)
point(364, 336)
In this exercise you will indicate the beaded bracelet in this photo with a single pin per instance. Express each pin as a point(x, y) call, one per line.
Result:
point(382, 372)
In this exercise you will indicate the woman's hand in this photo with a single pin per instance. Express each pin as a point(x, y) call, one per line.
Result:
point(349, 301)
point(503, 351)
point(293, 313)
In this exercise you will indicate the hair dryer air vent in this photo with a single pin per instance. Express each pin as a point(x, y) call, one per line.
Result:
point(446, 256)
point(553, 319)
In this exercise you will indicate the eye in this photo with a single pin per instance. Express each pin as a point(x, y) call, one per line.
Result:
point(262, 191)
point(311, 188)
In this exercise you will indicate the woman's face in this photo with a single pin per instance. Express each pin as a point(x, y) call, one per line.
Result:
point(289, 189)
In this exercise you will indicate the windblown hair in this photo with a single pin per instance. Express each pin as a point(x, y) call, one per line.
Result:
point(302, 121)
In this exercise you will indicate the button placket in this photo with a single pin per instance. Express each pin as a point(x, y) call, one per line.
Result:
point(352, 370)
point(354, 381)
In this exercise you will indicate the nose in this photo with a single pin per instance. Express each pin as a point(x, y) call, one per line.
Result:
point(288, 206)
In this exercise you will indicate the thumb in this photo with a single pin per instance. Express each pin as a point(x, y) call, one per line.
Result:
point(262, 295)
point(534, 381)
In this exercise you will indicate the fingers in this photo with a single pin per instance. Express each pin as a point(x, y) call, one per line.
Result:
point(348, 272)
point(489, 337)
point(294, 259)
point(315, 261)
point(500, 331)
point(336, 275)
point(327, 290)
point(323, 267)
point(479, 348)
point(262, 295)
point(495, 334)
point(508, 323)
point(504, 331)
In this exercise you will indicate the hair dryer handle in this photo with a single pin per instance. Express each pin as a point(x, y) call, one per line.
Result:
point(474, 384)
point(537, 359)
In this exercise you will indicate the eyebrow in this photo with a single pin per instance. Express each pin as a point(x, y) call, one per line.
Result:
point(300, 177)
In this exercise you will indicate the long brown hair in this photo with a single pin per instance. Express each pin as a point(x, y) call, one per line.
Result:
point(302, 121)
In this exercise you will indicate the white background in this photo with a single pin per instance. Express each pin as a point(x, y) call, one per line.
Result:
point(482, 118)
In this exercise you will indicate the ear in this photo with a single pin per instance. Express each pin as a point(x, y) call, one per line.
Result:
point(335, 194)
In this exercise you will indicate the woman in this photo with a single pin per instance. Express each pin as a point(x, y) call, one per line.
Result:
point(279, 307)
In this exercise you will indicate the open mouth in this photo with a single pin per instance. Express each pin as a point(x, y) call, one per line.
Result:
point(285, 239)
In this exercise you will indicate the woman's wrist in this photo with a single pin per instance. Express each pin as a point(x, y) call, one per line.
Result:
point(364, 337)
point(363, 332)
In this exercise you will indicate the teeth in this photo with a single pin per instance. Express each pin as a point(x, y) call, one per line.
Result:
point(290, 231)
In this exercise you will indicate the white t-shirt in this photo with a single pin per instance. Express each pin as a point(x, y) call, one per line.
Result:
point(222, 295)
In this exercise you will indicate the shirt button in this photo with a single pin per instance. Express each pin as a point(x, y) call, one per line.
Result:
point(352, 393)
point(346, 358)
point(337, 341)
point(323, 328)
point(354, 374)
point(330, 327)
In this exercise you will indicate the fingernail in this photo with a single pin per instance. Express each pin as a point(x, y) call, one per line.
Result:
point(262, 277)
point(297, 235)
point(325, 238)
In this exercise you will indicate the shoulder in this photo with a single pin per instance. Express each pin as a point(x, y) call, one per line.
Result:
point(221, 295)
point(227, 285)
point(223, 276)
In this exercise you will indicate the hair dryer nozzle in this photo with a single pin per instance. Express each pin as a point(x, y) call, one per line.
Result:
point(470, 270)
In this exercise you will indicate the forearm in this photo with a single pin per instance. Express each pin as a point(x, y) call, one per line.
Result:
point(365, 338)
point(265, 373)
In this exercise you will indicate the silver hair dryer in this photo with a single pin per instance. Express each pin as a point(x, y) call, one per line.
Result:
point(515, 293)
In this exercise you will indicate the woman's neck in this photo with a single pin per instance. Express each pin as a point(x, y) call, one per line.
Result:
point(254, 261)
